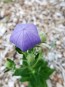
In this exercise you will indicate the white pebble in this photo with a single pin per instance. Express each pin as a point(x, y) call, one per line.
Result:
point(11, 84)
point(51, 56)
point(2, 68)
point(49, 83)
point(62, 4)
point(22, 85)
point(51, 66)
point(58, 43)
point(2, 13)
point(2, 29)
point(53, 1)
point(58, 85)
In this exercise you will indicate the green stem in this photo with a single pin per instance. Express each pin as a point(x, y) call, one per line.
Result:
point(36, 62)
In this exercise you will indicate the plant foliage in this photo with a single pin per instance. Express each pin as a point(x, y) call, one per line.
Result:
point(34, 70)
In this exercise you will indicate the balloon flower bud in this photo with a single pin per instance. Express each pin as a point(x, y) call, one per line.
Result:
point(42, 37)
point(25, 36)
point(30, 58)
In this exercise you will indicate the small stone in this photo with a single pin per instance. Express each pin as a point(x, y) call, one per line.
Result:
point(64, 23)
point(59, 55)
point(44, 2)
point(64, 54)
point(51, 56)
point(15, 20)
point(2, 68)
point(22, 86)
point(62, 4)
point(2, 13)
point(6, 80)
point(53, 1)
point(27, 3)
point(11, 84)
point(1, 41)
point(64, 13)
point(51, 66)
point(1, 18)
point(49, 83)
point(58, 85)
point(7, 13)
point(2, 29)
point(58, 43)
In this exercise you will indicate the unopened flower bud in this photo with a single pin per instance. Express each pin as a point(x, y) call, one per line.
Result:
point(30, 58)
point(42, 37)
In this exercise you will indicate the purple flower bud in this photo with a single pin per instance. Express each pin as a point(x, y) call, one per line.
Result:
point(25, 36)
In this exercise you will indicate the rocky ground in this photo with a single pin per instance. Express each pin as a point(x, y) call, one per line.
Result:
point(49, 16)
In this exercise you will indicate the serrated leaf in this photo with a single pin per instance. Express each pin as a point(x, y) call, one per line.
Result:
point(40, 64)
point(22, 72)
point(24, 79)
point(43, 70)
point(36, 81)
point(46, 72)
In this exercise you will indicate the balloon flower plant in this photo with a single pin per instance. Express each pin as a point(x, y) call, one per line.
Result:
point(34, 68)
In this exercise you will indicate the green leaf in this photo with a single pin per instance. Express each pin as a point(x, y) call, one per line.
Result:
point(18, 50)
point(24, 79)
point(36, 56)
point(45, 72)
point(10, 64)
point(22, 72)
point(24, 61)
point(38, 60)
point(40, 64)
point(29, 85)
point(34, 69)
point(44, 83)
point(36, 81)
point(21, 52)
